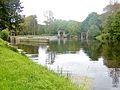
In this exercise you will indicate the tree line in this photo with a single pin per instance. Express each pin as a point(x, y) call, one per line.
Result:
point(105, 26)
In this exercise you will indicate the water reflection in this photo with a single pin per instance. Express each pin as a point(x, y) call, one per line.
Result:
point(50, 58)
point(61, 46)
point(115, 74)
point(92, 49)
point(89, 58)
point(111, 54)
point(28, 48)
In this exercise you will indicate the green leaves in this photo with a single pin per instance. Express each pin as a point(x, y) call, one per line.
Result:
point(4, 34)
point(93, 31)
point(70, 27)
point(113, 26)
point(30, 25)
point(10, 14)
point(92, 25)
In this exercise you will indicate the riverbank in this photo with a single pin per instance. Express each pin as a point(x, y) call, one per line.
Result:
point(17, 72)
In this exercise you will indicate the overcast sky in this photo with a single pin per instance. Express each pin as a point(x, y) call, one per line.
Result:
point(63, 9)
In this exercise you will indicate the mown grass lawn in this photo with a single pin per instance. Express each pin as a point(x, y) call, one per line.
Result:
point(17, 72)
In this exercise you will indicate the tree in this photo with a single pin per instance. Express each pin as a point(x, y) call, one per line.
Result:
point(113, 26)
point(73, 27)
point(49, 21)
point(31, 25)
point(70, 27)
point(93, 31)
point(49, 17)
point(109, 10)
point(10, 14)
point(92, 25)
point(41, 29)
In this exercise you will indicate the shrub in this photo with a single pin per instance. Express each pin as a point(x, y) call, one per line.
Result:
point(4, 34)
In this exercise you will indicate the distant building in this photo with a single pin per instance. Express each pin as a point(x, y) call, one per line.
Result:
point(61, 34)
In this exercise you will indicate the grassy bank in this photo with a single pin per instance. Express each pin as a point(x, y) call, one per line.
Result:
point(17, 72)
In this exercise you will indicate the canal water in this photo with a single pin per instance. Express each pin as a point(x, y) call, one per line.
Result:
point(97, 61)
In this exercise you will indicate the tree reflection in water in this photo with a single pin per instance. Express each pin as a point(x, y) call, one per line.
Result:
point(50, 58)
point(110, 52)
point(115, 74)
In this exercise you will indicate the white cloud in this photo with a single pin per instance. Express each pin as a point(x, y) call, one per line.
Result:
point(63, 9)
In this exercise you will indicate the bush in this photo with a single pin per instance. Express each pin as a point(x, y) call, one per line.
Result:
point(4, 34)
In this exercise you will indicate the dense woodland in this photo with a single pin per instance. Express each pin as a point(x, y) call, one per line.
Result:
point(105, 26)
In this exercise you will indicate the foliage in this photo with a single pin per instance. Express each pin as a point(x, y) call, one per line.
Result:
point(92, 25)
point(4, 34)
point(10, 14)
point(30, 25)
point(41, 29)
point(113, 26)
point(70, 27)
point(93, 31)
point(103, 37)
point(109, 10)
point(73, 27)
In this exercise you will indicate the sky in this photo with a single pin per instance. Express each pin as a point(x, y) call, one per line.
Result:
point(63, 9)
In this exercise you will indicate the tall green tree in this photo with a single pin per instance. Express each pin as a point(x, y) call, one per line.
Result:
point(41, 29)
point(30, 25)
point(73, 27)
point(10, 14)
point(93, 31)
point(92, 25)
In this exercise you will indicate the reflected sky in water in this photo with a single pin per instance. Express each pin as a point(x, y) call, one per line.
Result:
point(101, 62)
